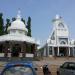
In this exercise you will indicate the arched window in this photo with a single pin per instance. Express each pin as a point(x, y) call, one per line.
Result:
point(62, 42)
point(61, 25)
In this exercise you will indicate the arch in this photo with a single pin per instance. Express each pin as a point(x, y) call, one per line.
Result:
point(61, 25)
point(63, 42)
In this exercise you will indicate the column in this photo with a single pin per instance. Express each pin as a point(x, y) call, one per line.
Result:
point(33, 49)
point(48, 51)
point(53, 51)
point(6, 48)
point(10, 49)
point(11, 45)
point(58, 52)
point(69, 52)
point(2, 52)
point(21, 53)
point(44, 54)
point(24, 49)
point(73, 51)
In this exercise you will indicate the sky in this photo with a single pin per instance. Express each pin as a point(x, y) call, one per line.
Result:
point(42, 12)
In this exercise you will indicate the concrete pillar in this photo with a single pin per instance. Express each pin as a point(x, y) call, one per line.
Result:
point(33, 49)
point(6, 49)
point(1, 45)
point(58, 52)
point(53, 51)
point(23, 49)
point(44, 54)
point(69, 52)
point(10, 49)
point(73, 51)
point(48, 51)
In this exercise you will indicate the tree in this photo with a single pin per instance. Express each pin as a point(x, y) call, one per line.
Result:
point(29, 32)
point(13, 19)
point(29, 26)
point(8, 23)
point(23, 20)
point(1, 24)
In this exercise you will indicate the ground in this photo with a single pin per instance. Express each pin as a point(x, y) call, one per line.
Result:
point(53, 64)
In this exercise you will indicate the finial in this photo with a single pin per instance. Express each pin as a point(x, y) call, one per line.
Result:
point(58, 17)
point(19, 14)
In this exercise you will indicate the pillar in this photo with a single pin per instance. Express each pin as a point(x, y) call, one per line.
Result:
point(23, 49)
point(11, 45)
point(1, 48)
point(44, 54)
point(52, 50)
point(48, 51)
point(6, 49)
point(69, 52)
point(10, 49)
point(58, 52)
point(33, 49)
point(21, 53)
point(73, 51)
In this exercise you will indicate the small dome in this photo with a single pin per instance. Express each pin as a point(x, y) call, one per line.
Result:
point(57, 18)
point(18, 24)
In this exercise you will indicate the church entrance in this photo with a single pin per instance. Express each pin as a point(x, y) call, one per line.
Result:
point(63, 51)
point(16, 50)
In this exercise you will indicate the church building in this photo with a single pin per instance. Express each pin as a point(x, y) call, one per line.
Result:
point(59, 42)
point(16, 42)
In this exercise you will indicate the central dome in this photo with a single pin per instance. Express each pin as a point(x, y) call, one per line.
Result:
point(18, 25)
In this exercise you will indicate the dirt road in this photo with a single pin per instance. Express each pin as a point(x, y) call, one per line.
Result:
point(52, 68)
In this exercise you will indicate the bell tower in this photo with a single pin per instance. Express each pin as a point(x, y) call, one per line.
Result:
point(60, 30)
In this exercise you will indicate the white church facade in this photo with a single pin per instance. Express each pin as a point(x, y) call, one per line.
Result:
point(58, 43)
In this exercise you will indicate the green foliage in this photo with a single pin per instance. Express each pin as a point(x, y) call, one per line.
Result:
point(8, 23)
point(29, 26)
point(1, 24)
point(23, 20)
point(13, 19)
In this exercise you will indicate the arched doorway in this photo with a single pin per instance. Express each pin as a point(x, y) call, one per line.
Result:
point(63, 51)
point(16, 50)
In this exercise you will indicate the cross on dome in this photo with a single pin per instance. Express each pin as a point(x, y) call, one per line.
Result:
point(18, 25)
point(19, 15)
point(57, 16)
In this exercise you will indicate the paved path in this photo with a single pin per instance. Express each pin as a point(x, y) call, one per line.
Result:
point(52, 63)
